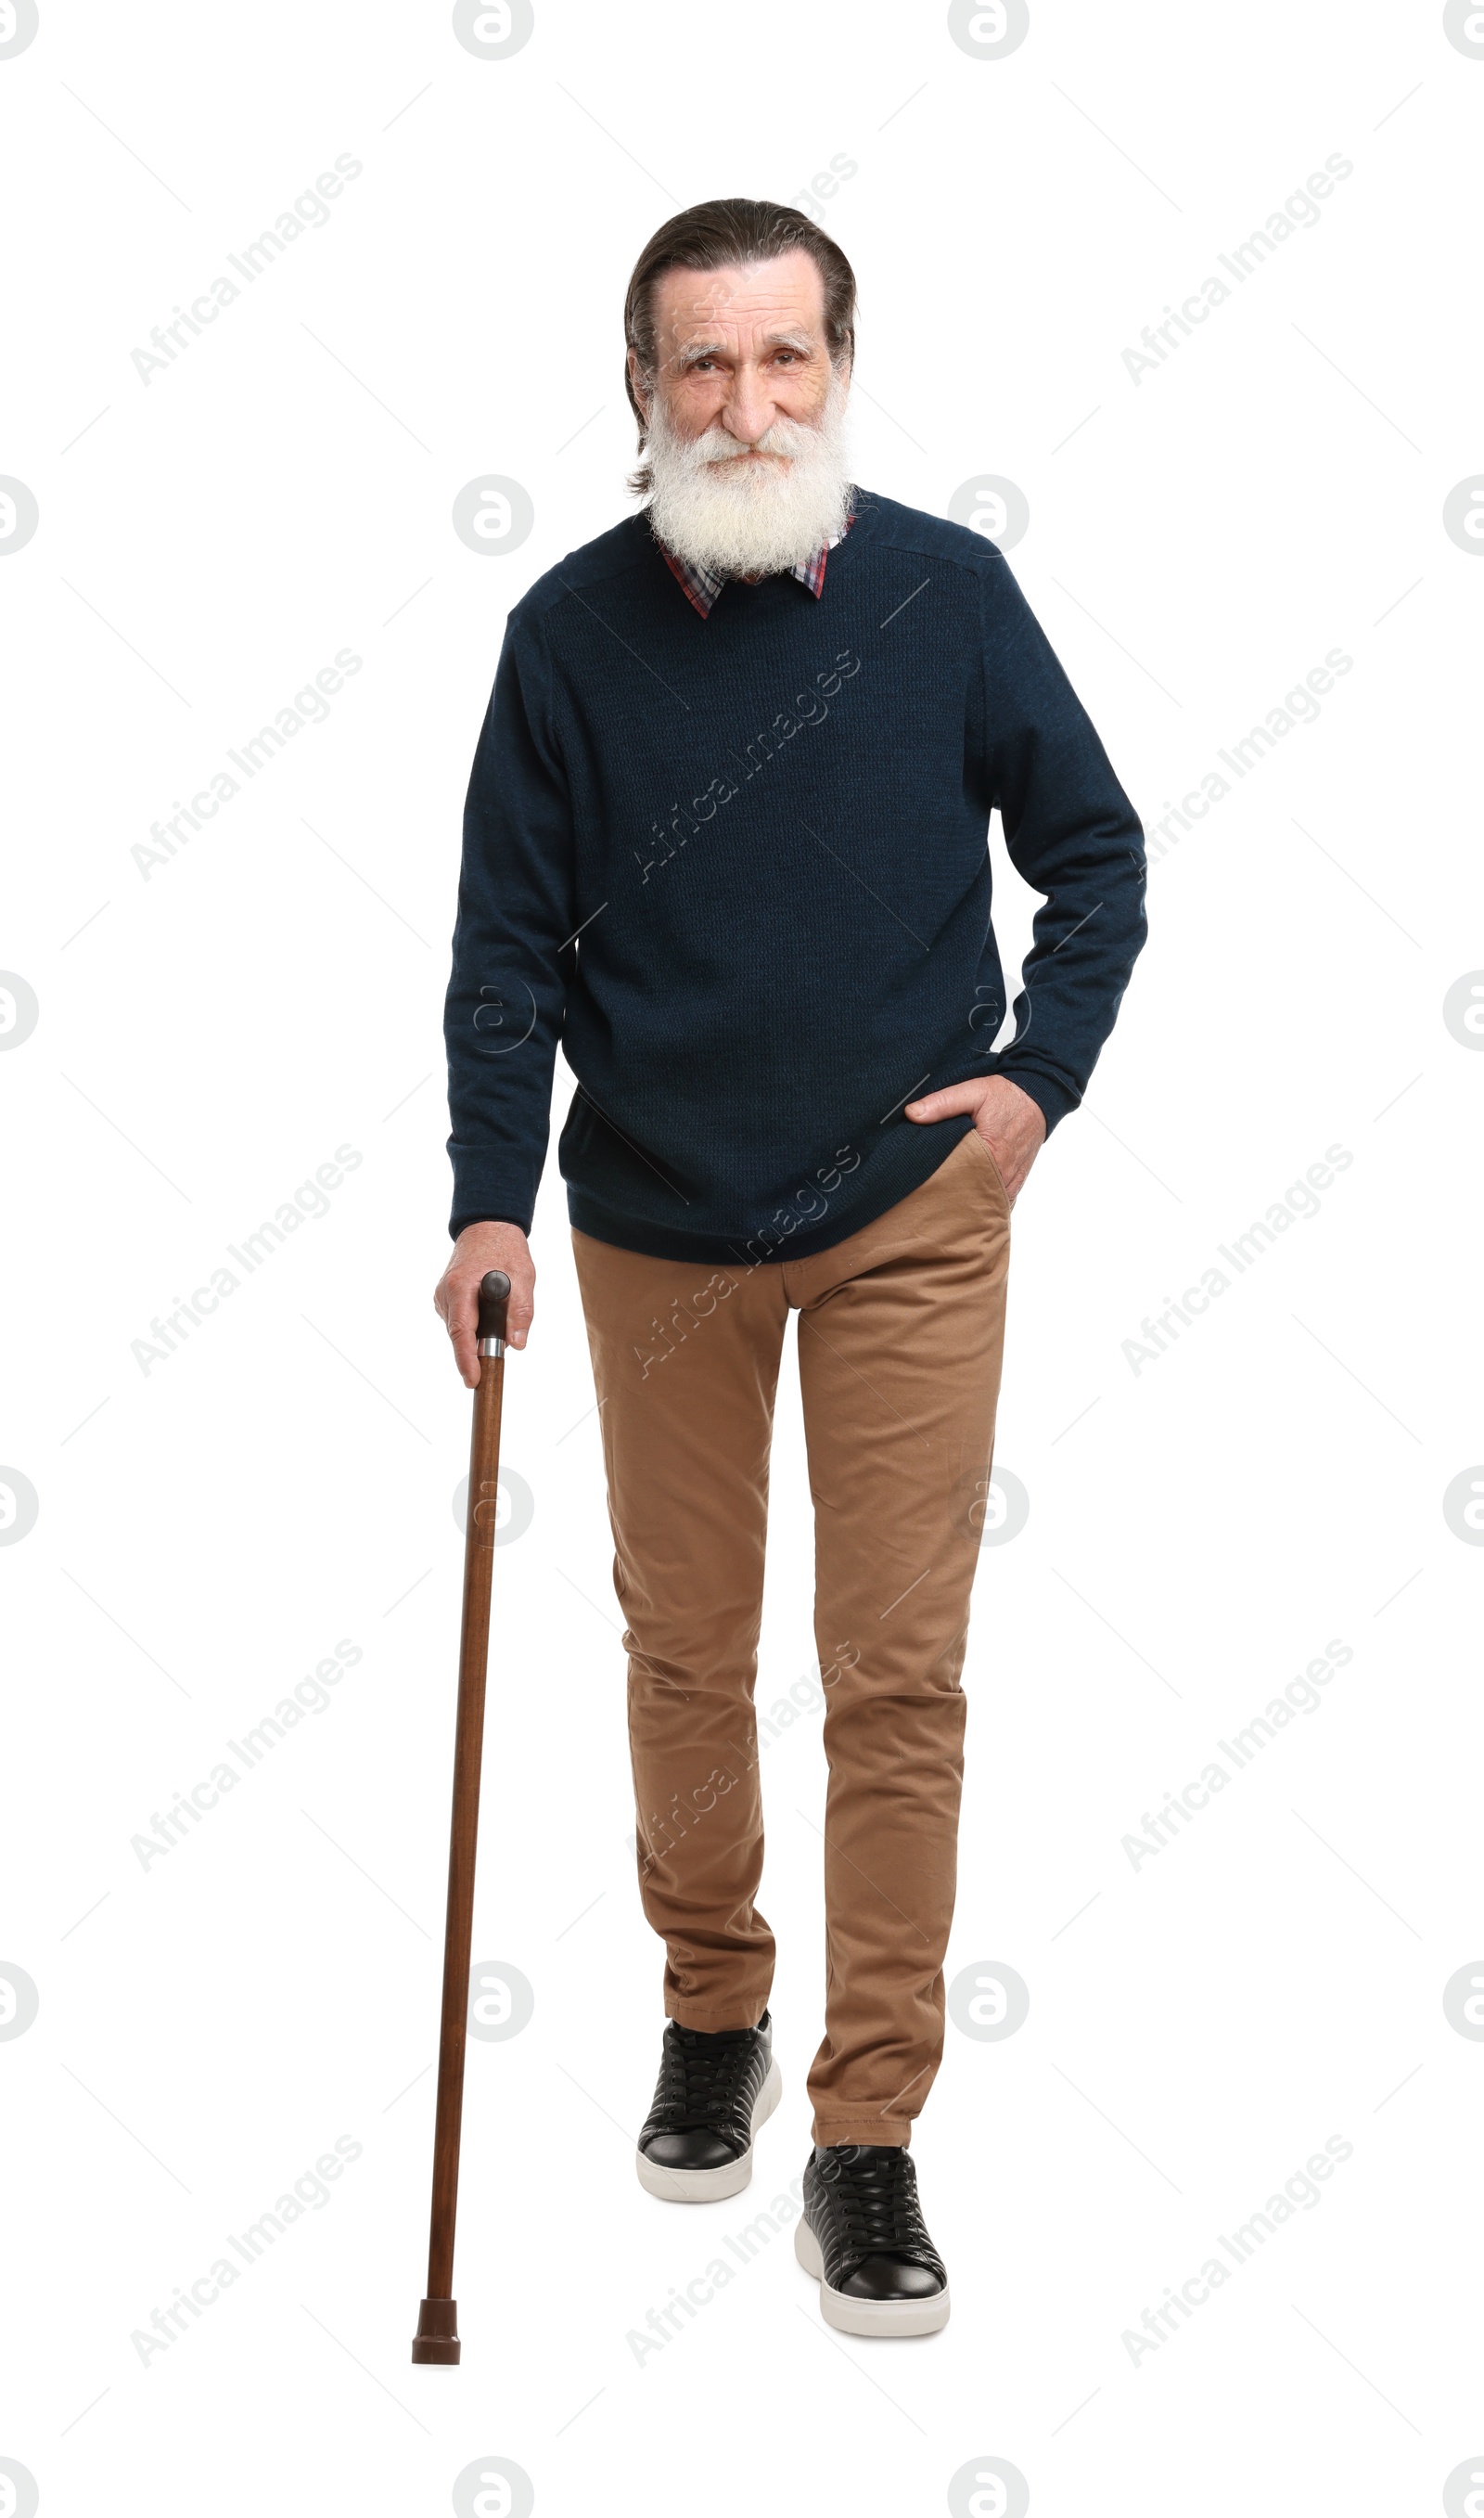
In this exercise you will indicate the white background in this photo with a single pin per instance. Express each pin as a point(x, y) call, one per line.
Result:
point(1199, 1529)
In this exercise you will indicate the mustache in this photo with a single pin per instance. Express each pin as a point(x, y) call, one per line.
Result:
point(717, 444)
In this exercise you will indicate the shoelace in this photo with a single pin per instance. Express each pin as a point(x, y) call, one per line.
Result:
point(877, 2198)
point(699, 2084)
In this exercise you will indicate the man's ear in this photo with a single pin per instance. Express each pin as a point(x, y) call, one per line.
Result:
point(635, 380)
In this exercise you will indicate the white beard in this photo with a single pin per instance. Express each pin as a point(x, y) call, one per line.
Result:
point(737, 518)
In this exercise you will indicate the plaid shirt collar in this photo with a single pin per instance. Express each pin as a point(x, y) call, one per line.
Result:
point(702, 586)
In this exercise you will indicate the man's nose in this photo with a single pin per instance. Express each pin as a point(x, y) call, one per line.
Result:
point(749, 410)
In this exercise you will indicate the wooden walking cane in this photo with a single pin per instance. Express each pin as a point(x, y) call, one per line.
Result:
point(437, 2337)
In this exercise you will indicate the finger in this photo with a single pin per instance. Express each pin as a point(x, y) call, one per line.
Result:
point(461, 1316)
point(945, 1105)
point(520, 1314)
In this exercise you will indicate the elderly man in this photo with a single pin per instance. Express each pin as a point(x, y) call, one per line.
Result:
point(726, 841)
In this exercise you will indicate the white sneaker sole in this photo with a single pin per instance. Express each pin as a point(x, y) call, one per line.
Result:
point(712, 2185)
point(867, 2315)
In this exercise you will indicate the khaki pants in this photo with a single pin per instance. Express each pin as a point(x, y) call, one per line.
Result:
point(900, 1332)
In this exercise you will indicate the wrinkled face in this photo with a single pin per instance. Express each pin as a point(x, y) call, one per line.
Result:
point(740, 350)
point(745, 418)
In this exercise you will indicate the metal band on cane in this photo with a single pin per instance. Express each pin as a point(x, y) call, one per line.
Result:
point(494, 1298)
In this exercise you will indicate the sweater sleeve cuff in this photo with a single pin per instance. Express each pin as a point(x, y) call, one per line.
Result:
point(1053, 1098)
point(460, 1223)
point(485, 1191)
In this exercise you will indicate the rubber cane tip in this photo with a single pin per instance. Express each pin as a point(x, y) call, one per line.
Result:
point(495, 1294)
point(436, 2343)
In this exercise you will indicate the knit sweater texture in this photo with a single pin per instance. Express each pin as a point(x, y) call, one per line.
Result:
point(739, 868)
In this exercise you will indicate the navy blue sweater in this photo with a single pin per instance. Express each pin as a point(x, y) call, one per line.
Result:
point(737, 866)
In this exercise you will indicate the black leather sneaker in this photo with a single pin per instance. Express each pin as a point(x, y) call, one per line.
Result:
point(716, 2087)
point(864, 2239)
